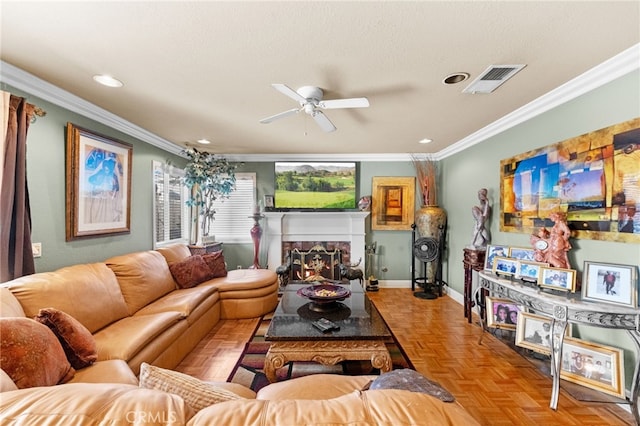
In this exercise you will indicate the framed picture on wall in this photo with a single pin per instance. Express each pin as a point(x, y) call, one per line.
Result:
point(393, 203)
point(610, 283)
point(98, 184)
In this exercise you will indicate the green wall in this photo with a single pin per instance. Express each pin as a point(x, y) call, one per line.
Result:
point(46, 181)
point(478, 167)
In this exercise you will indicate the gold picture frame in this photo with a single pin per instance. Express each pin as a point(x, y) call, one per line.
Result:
point(534, 332)
point(98, 184)
point(499, 313)
point(594, 366)
point(393, 203)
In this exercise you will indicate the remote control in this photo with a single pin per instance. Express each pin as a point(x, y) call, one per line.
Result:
point(324, 324)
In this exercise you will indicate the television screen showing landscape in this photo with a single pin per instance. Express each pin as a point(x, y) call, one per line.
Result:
point(315, 185)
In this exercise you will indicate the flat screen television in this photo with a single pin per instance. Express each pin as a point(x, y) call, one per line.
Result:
point(316, 185)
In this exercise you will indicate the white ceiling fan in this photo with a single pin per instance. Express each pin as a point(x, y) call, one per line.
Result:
point(310, 100)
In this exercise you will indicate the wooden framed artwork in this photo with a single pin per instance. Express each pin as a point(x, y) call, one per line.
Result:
point(592, 178)
point(522, 253)
point(610, 283)
point(502, 313)
point(594, 366)
point(534, 332)
point(505, 266)
point(98, 184)
point(529, 271)
point(393, 203)
point(557, 278)
point(494, 251)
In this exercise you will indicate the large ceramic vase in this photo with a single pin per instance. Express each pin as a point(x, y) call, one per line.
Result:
point(430, 223)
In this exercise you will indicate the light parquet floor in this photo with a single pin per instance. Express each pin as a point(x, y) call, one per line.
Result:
point(493, 382)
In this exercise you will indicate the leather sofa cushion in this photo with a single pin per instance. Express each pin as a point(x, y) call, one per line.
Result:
point(88, 292)
point(6, 384)
point(77, 342)
point(92, 404)
point(174, 252)
point(109, 371)
point(306, 387)
point(184, 301)
point(125, 338)
point(31, 354)
point(9, 305)
point(143, 277)
point(238, 280)
point(384, 407)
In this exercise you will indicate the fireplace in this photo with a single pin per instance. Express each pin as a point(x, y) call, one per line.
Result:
point(306, 229)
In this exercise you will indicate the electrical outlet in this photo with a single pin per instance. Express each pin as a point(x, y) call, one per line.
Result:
point(36, 248)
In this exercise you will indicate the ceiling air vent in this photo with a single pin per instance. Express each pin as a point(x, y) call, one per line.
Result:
point(492, 78)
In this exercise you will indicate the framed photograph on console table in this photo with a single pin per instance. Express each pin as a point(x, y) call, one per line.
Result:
point(594, 366)
point(534, 332)
point(494, 251)
point(557, 278)
point(610, 283)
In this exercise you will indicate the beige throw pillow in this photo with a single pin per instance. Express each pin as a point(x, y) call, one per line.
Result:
point(195, 393)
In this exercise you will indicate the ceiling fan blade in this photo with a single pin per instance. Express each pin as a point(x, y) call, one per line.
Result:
point(278, 116)
point(344, 103)
point(322, 120)
point(288, 91)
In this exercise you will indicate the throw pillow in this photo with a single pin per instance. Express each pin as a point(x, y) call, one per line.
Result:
point(190, 272)
point(413, 381)
point(196, 393)
point(31, 354)
point(216, 264)
point(77, 342)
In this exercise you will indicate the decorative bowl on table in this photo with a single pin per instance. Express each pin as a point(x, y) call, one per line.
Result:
point(324, 296)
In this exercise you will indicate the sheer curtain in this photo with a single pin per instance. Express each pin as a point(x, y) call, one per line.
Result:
point(16, 257)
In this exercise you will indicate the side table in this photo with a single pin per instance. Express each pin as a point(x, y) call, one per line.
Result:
point(205, 248)
point(473, 261)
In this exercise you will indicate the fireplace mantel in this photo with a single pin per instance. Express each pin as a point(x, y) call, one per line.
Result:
point(314, 226)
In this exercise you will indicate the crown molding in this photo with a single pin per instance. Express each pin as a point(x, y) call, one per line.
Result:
point(35, 86)
point(616, 67)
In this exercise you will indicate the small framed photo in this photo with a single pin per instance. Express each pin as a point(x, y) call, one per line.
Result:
point(529, 271)
point(557, 278)
point(502, 313)
point(494, 251)
point(522, 253)
point(534, 332)
point(268, 202)
point(606, 282)
point(505, 266)
point(594, 366)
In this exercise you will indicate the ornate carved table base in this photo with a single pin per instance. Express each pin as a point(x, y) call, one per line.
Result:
point(328, 352)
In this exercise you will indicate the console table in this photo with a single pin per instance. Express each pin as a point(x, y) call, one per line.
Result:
point(563, 310)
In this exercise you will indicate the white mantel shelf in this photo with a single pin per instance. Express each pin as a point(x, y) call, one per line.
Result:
point(314, 226)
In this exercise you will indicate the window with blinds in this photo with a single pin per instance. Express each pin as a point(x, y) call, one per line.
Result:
point(170, 212)
point(232, 223)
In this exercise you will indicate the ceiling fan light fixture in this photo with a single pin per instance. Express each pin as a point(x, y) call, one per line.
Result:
point(107, 80)
point(454, 78)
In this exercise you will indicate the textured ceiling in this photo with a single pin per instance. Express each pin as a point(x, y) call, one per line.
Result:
point(204, 69)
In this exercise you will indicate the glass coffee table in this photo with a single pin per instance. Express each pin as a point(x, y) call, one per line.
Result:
point(293, 337)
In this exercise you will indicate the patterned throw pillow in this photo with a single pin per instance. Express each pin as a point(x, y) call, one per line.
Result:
point(31, 354)
point(216, 264)
point(190, 272)
point(77, 342)
point(195, 393)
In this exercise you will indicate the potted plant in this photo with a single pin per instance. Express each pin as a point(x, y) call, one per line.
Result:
point(209, 178)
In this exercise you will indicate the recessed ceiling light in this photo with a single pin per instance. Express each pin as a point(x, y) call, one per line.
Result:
point(107, 80)
point(204, 141)
point(425, 140)
point(455, 78)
